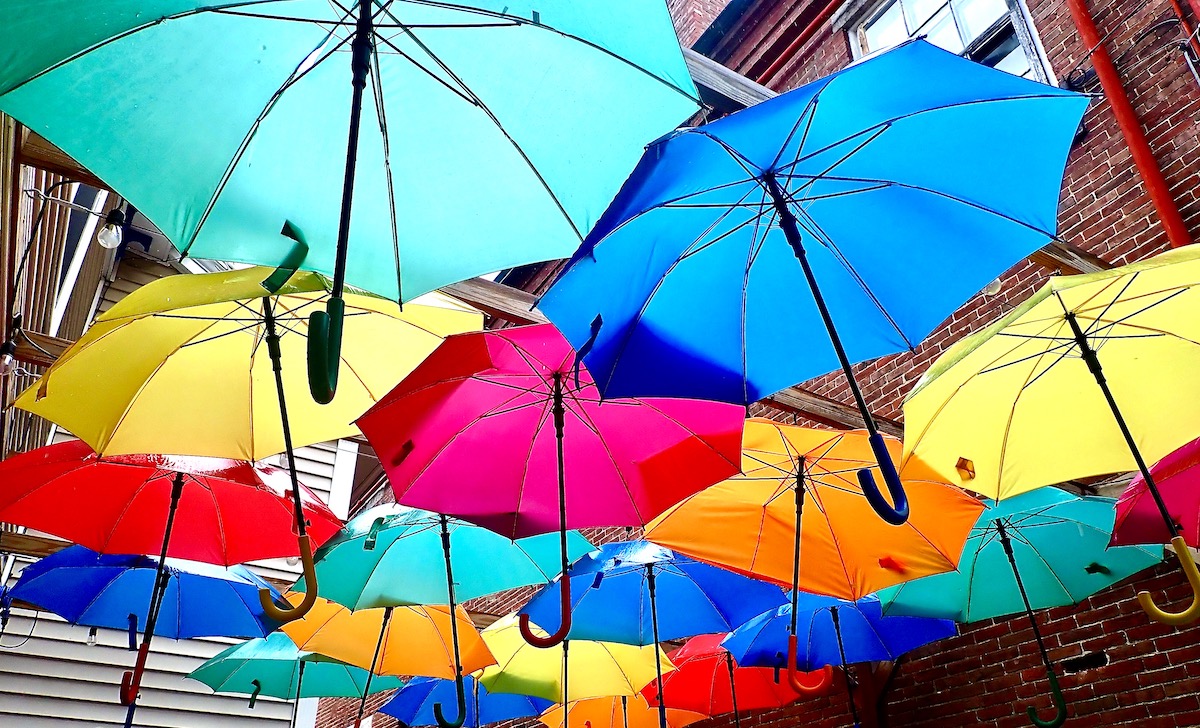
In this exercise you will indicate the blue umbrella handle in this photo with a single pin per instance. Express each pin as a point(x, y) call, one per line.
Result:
point(133, 632)
point(891, 477)
point(564, 592)
point(1192, 613)
point(1060, 706)
point(254, 695)
point(461, 697)
point(793, 677)
point(325, 349)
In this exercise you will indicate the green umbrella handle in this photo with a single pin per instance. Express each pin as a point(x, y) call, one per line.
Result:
point(254, 695)
point(793, 676)
point(1192, 613)
point(461, 697)
point(898, 514)
point(325, 349)
point(310, 592)
point(1060, 706)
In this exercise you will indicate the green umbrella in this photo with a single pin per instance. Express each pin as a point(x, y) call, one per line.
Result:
point(1044, 548)
point(275, 666)
point(496, 131)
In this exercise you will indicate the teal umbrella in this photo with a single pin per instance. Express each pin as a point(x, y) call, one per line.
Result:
point(393, 555)
point(275, 666)
point(495, 131)
point(1044, 548)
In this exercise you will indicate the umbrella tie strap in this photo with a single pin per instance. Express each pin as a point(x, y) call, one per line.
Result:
point(291, 262)
point(133, 632)
point(254, 695)
point(459, 693)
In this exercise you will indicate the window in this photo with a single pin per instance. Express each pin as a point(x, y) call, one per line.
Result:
point(992, 32)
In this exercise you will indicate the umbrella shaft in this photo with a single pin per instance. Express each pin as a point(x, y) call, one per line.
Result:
point(156, 593)
point(450, 594)
point(837, 631)
point(737, 720)
point(299, 686)
point(662, 706)
point(559, 411)
point(276, 355)
point(1012, 562)
point(362, 703)
point(796, 553)
point(360, 63)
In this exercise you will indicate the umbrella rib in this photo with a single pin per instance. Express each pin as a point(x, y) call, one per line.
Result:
point(212, 495)
point(1112, 301)
point(691, 434)
point(1012, 413)
point(424, 69)
point(756, 246)
point(583, 416)
point(1050, 569)
point(807, 117)
point(381, 113)
point(815, 494)
point(543, 418)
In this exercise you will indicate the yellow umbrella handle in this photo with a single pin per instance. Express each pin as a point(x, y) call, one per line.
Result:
point(310, 589)
point(793, 677)
point(1192, 613)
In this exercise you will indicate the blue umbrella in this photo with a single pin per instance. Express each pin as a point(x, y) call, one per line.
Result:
point(640, 593)
point(832, 632)
point(113, 591)
point(413, 704)
point(834, 189)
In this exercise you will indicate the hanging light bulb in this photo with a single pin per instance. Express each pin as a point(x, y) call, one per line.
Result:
point(993, 288)
point(91, 640)
point(8, 362)
point(110, 235)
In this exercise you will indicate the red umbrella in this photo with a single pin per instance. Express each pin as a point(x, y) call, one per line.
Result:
point(204, 509)
point(707, 680)
point(1178, 479)
point(495, 428)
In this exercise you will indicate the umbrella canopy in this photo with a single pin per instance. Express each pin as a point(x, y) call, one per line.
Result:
point(866, 634)
point(405, 640)
point(273, 666)
point(702, 312)
point(599, 669)
point(707, 680)
point(616, 712)
point(612, 601)
point(413, 704)
point(229, 511)
point(100, 590)
point(844, 550)
point(1060, 542)
point(391, 555)
point(182, 365)
point(528, 114)
point(1178, 479)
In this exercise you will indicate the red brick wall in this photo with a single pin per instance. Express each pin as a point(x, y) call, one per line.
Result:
point(692, 17)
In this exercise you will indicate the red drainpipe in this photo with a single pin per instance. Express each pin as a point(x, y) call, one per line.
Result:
point(788, 53)
point(1131, 127)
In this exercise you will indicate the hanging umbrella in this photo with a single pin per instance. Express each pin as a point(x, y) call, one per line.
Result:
point(201, 509)
point(837, 547)
point(274, 666)
point(112, 591)
point(413, 705)
point(146, 376)
point(1084, 378)
point(1058, 540)
point(707, 680)
point(775, 197)
point(615, 712)
point(528, 115)
point(468, 434)
point(406, 640)
point(601, 669)
point(388, 557)
point(639, 593)
point(1177, 479)
point(836, 632)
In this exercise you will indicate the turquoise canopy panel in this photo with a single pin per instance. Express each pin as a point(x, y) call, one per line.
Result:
point(495, 132)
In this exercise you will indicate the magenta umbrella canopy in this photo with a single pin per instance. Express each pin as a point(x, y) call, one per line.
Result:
point(471, 433)
point(1178, 479)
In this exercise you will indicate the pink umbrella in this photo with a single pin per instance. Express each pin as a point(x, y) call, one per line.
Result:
point(469, 433)
point(1178, 479)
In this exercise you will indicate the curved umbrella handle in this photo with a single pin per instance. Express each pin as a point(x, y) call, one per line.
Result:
point(254, 695)
point(1060, 706)
point(891, 477)
point(564, 592)
point(310, 594)
point(462, 707)
point(325, 349)
point(793, 678)
point(1192, 613)
point(131, 681)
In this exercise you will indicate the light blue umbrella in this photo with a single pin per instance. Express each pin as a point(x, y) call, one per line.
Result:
point(413, 704)
point(850, 210)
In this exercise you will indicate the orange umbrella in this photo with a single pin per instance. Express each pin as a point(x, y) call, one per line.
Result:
point(840, 549)
point(626, 711)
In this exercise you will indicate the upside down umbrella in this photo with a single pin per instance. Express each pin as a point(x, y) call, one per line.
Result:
point(496, 429)
point(529, 114)
point(835, 546)
point(625, 711)
point(275, 666)
point(388, 556)
point(143, 377)
point(413, 704)
point(1084, 378)
point(643, 594)
point(707, 680)
point(836, 632)
point(776, 197)
point(1045, 548)
point(202, 509)
point(1177, 479)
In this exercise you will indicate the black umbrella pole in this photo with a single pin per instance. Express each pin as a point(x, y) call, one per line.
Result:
point(362, 703)
point(837, 631)
point(662, 705)
point(460, 695)
point(131, 681)
point(737, 719)
point(897, 514)
point(1055, 692)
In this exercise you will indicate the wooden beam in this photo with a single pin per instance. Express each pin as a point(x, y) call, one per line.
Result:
point(820, 408)
point(497, 300)
point(722, 87)
point(39, 349)
point(36, 152)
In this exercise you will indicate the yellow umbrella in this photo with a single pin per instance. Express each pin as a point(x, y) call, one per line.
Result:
point(616, 712)
point(597, 669)
point(1094, 374)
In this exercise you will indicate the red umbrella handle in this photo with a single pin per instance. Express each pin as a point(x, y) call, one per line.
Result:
point(1192, 613)
point(131, 681)
point(310, 595)
point(793, 677)
point(564, 591)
